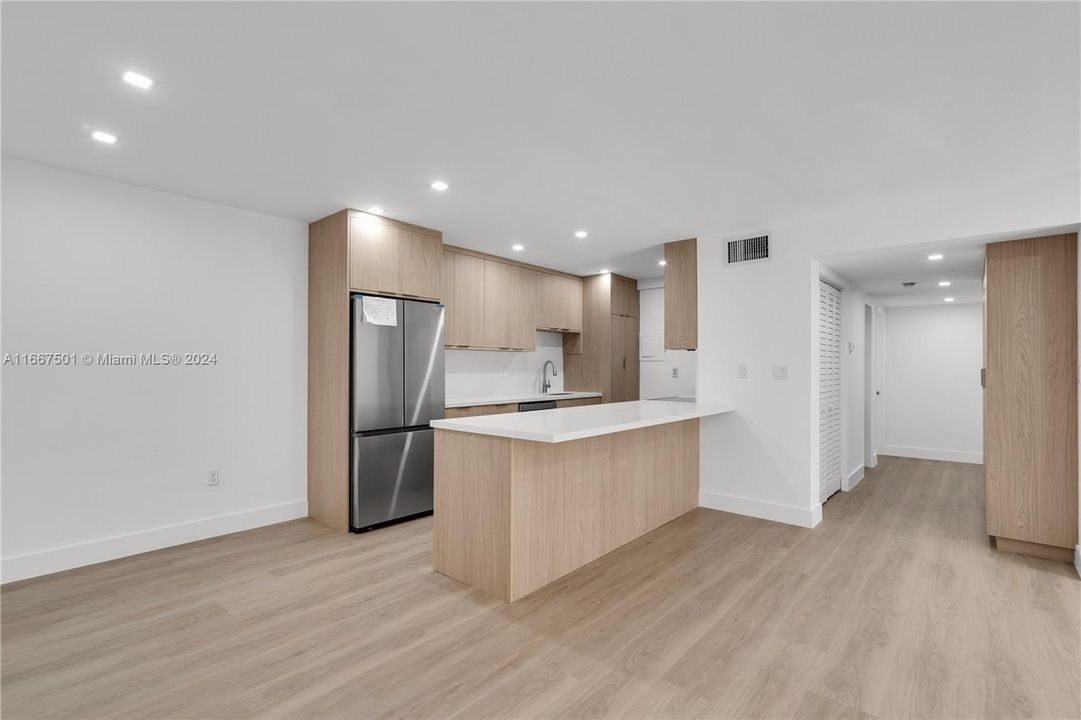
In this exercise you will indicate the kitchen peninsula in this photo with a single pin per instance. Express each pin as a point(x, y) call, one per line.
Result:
point(522, 499)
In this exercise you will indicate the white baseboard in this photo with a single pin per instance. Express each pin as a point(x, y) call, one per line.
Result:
point(788, 514)
point(67, 557)
point(853, 479)
point(963, 456)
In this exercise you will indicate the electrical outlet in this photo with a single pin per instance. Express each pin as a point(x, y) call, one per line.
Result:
point(213, 479)
point(743, 373)
point(675, 372)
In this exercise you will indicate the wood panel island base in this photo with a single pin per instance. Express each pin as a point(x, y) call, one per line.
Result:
point(523, 499)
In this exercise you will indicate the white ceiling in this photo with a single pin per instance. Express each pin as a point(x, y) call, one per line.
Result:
point(880, 273)
point(640, 122)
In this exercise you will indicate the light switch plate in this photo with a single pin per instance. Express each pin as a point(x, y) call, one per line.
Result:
point(780, 372)
point(743, 373)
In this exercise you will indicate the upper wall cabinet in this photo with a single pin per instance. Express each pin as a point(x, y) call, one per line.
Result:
point(497, 305)
point(393, 258)
point(510, 299)
point(624, 296)
point(559, 303)
point(681, 295)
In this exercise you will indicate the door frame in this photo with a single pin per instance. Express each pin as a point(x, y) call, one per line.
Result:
point(872, 392)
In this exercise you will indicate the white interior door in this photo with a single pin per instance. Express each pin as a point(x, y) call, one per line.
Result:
point(829, 389)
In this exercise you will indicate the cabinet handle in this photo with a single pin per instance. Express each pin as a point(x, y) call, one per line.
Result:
point(624, 363)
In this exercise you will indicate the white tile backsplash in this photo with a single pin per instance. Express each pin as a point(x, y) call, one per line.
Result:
point(485, 372)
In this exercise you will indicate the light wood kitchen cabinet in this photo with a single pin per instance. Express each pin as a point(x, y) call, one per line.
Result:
point(475, 410)
point(559, 303)
point(465, 309)
point(450, 325)
point(1030, 395)
point(605, 356)
point(524, 308)
point(499, 315)
point(624, 296)
point(393, 258)
point(681, 295)
point(624, 358)
point(578, 402)
point(498, 304)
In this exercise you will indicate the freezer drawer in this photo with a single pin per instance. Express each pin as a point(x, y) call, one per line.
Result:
point(391, 476)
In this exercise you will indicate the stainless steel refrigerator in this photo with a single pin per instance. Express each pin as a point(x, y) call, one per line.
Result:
point(397, 386)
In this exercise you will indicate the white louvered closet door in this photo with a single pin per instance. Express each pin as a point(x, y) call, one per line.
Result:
point(829, 389)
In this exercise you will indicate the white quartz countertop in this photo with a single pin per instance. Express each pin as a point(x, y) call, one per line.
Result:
point(505, 399)
point(575, 423)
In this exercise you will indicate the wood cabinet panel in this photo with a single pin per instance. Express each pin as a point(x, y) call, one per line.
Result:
point(475, 410)
point(624, 358)
point(559, 303)
point(469, 301)
point(578, 402)
point(632, 353)
point(681, 295)
point(499, 315)
point(624, 296)
point(392, 258)
point(328, 371)
point(374, 256)
point(419, 266)
point(1030, 396)
point(450, 319)
point(523, 303)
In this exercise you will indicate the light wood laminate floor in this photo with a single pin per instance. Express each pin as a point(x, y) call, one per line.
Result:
point(895, 606)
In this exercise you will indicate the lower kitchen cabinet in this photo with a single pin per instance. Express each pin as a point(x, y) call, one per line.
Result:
point(577, 402)
point(474, 410)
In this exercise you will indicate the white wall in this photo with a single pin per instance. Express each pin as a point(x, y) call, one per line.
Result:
point(655, 375)
point(932, 394)
point(473, 373)
point(763, 459)
point(102, 462)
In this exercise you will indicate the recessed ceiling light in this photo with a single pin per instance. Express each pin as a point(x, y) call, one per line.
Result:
point(605, 271)
point(139, 81)
point(439, 185)
point(517, 247)
point(581, 234)
point(103, 137)
point(947, 299)
point(936, 256)
point(662, 262)
point(375, 210)
point(944, 283)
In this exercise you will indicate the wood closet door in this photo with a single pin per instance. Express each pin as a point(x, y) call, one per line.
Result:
point(1030, 398)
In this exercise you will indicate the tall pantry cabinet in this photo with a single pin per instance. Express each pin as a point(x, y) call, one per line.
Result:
point(1030, 395)
point(605, 355)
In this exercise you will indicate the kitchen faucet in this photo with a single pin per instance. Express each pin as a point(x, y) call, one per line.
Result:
point(547, 384)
